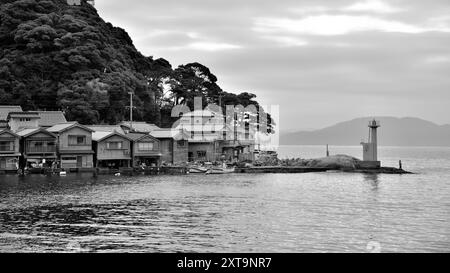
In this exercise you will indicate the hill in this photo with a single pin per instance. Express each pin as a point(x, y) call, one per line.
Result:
point(393, 132)
point(57, 56)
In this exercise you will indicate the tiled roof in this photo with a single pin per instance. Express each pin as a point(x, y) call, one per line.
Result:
point(23, 115)
point(6, 109)
point(31, 131)
point(65, 126)
point(202, 113)
point(106, 128)
point(99, 136)
point(50, 118)
point(135, 136)
point(141, 127)
point(47, 118)
point(6, 131)
point(203, 128)
point(60, 127)
point(96, 136)
point(27, 132)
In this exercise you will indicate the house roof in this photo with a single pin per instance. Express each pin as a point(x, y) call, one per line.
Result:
point(139, 136)
point(50, 118)
point(23, 115)
point(8, 132)
point(26, 132)
point(61, 127)
point(203, 127)
point(107, 128)
point(46, 118)
point(6, 109)
point(58, 128)
point(202, 113)
point(29, 132)
point(170, 133)
point(141, 127)
point(100, 136)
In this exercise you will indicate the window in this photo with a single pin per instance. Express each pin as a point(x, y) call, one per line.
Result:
point(37, 144)
point(114, 145)
point(145, 146)
point(11, 161)
point(6, 146)
point(25, 119)
point(181, 143)
point(77, 140)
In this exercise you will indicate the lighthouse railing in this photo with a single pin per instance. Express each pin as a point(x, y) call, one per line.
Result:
point(374, 123)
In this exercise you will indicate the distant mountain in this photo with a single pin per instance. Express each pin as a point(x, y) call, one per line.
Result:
point(393, 132)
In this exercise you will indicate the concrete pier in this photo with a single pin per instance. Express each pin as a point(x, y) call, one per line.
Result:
point(280, 169)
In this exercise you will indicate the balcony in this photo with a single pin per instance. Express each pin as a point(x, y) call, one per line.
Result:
point(41, 150)
point(237, 143)
point(7, 149)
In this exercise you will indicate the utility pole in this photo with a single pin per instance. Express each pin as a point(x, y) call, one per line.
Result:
point(131, 111)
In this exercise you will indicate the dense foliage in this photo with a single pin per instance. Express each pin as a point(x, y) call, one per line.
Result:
point(58, 56)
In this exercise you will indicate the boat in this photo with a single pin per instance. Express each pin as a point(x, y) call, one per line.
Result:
point(216, 170)
point(196, 169)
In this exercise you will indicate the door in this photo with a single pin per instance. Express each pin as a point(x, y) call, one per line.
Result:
point(2, 163)
point(79, 161)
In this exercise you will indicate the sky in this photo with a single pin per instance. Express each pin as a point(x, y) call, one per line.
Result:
point(321, 62)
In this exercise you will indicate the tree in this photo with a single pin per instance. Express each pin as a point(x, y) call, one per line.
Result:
point(54, 56)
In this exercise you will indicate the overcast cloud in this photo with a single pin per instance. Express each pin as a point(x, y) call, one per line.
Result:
point(321, 61)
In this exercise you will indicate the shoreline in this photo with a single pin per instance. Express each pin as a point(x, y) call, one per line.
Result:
point(179, 171)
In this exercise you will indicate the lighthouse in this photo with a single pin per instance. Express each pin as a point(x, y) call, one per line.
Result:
point(370, 149)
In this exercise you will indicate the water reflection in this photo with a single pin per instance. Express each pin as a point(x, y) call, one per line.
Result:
point(134, 220)
point(372, 179)
point(323, 212)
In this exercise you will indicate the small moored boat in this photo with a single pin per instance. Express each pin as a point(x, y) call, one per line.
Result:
point(220, 170)
point(194, 170)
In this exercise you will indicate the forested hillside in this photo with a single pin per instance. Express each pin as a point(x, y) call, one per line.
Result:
point(56, 56)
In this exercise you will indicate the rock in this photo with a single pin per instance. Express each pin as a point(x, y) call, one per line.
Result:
point(337, 162)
